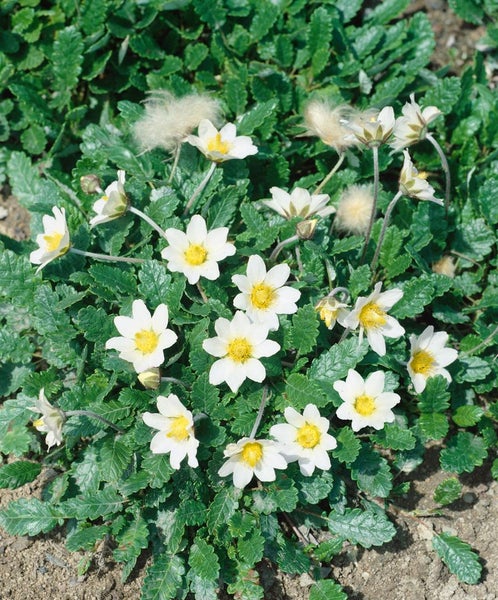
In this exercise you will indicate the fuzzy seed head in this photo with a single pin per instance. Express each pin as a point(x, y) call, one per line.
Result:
point(445, 266)
point(324, 121)
point(168, 120)
point(354, 209)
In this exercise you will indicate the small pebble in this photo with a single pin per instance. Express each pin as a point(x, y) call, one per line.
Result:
point(469, 498)
point(3, 213)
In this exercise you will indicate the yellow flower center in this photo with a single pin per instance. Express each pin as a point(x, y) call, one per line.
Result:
point(195, 255)
point(53, 240)
point(422, 175)
point(146, 341)
point(308, 436)
point(178, 428)
point(364, 405)
point(215, 144)
point(252, 453)
point(262, 296)
point(328, 315)
point(38, 423)
point(105, 198)
point(239, 350)
point(372, 316)
point(422, 362)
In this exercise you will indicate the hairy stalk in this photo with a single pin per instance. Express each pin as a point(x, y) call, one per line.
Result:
point(385, 223)
point(279, 247)
point(261, 410)
point(148, 220)
point(108, 257)
point(92, 415)
point(331, 173)
point(446, 169)
point(175, 163)
point(375, 156)
point(200, 188)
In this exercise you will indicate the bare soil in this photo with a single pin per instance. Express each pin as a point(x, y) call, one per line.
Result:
point(405, 569)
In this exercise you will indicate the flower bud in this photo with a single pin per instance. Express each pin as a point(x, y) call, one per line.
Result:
point(305, 230)
point(90, 184)
point(150, 379)
point(330, 310)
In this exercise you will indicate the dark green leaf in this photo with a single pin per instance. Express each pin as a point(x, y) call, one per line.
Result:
point(366, 528)
point(463, 453)
point(458, 557)
point(18, 473)
point(327, 590)
point(304, 329)
point(27, 517)
point(447, 491)
point(164, 578)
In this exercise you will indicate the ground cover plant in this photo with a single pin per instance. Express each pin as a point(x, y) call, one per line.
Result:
point(226, 357)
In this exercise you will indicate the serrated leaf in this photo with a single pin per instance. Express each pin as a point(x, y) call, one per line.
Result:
point(304, 329)
point(98, 504)
point(114, 458)
point(327, 590)
point(118, 281)
point(366, 528)
point(299, 390)
point(67, 59)
point(467, 416)
point(27, 517)
point(250, 550)
point(131, 541)
point(435, 397)
point(18, 473)
point(417, 294)
point(395, 437)
point(447, 491)
point(164, 578)
point(463, 453)
point(255, 117)
point(203, 560)
point(458, 557)
point(316, 488)
point(474, 368)
point(335, 363)
point(474, 239)
point(372, 473)
point(224, 505)
point(318, 37)
point(433, 426)
point(85, 539)
point(348, 446)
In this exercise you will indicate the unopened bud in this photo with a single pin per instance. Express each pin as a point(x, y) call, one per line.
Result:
point(150, 379)
point(305, 230)
point(90, 184)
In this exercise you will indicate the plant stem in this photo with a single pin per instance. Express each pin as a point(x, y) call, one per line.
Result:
point(202, 292)
point(148, 220)
point(261, 410)
point(389, 210)
point(200, 187)
point(279, 247)
point(331, 173)
point(175, 163)
point(482, 344)
point(92, 415)
point(175, 380)
point(375, 156)
point(446, 169)
point(108, 257)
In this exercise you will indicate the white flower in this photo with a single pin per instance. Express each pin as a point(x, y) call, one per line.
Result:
point(327, 123)
point(299, 203)
point(354, 209)
point(304, 438)
point(371, 127)
point(54, 241)
point(330, 310)
point(250, 457)
point(113, 203)
point(51, 420)
point(412, 126)
point(263, 294)
point(221, 145)
point(428, 357)
point(176, 431)
point(239, 345)
point(414, 184)
point(365, 402)
point(168, 120)
point(144, 337)
point(370, 313)
point(196, 253)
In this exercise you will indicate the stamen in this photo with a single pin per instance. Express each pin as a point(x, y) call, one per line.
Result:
point(146, 341)
point(252, 453)
point(262, 296)
point(372, 316)
point(196, 255)
point(178, 429)
point(239, 350)
point(364, 405)
point(422, 362)
point(308, 436)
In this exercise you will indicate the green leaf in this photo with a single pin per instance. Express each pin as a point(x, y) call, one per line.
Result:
point(447, 491)
point(98, 504)
point(467, 416)
point(318, 37)
point(67, 58)
point(372, 473)
point(366, 528)
point(327, 590)
point(300, 391)
point(474, 368)
point(444, 94)
point(316, 488)
point(359, 280)
point(304, 329)
point(474, 239)
point(263, 20)
point(417, 294)
point(27, 517)
point(435, 397)
point(335, 363)
point(203, 560)
point(155, 283)
point(387, 10)
point(250, 550)
point(458, 557)
point(114, 456)
point(172, 525)
point(348, 446)
point(224, 505)
point(433, 426)
point(95, 324)
point(395, 437)
point(463, 453)
point(117, 281)
point(164, 578)
point(34, 139)
point(85, 539)
point(468, 10)
point(256, 116)
point(131, 541)
point(18, 473)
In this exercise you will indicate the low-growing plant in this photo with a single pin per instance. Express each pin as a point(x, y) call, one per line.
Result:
point(237, 343)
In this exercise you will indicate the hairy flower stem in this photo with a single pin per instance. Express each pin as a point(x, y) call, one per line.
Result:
point(92, 415)
point(389, 210)
point(375, 156)
point(279, 247)
point(108, 257)
point(175, 380)
point(483, 344)
point(331, 174)
point(200, 188)
point(148, 220)
point(261, 410)
point(176, 158)
point(202, 292)
point(446, 169)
